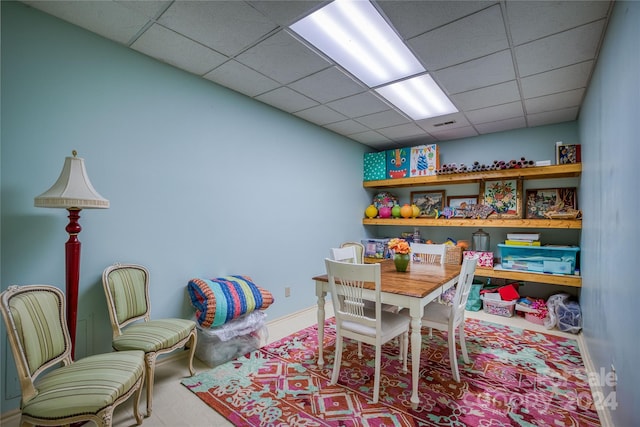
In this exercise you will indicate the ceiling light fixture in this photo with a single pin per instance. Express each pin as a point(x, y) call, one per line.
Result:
point(355, 35)
point(419, 97)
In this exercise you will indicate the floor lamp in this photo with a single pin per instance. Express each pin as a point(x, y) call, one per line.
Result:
point(72, 191)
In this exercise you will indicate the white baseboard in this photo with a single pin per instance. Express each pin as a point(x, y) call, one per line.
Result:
point(596, 389)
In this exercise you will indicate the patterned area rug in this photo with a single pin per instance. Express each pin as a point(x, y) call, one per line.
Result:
point(516, 378)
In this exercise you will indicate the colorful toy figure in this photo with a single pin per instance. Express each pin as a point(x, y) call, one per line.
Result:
point(398, 163)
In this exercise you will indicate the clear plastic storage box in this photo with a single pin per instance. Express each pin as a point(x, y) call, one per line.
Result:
point(540, 259)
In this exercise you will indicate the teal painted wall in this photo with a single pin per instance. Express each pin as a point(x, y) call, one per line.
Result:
point(202, 181)
point(609, 128)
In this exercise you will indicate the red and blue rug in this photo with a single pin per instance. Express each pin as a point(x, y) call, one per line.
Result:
point(516, 378)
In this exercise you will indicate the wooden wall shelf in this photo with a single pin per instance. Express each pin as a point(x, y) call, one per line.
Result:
point(575, 224)
point(552, 279)
point(540, 172)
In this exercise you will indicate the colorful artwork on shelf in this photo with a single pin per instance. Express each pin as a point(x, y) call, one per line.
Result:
point(425, 160)
point(398, 163)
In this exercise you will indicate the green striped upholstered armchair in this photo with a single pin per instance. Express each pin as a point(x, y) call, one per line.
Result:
point(127, 290)
point(66, 391)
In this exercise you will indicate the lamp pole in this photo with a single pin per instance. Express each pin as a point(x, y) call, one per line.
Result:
point(72, 263)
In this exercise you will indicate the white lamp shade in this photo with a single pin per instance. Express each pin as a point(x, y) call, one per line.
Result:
point(72, 189)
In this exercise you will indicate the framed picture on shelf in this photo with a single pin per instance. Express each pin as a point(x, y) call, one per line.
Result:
point(428, 202)
point(461, 202)
point(539, 201)
point(504, 196)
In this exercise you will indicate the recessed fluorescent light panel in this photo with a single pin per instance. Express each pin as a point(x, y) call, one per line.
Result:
point(357, 37)
point(419, 97)
point(353, 34)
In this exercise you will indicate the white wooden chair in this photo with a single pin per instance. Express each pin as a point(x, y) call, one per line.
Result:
point(345, 254)
point(451, 318)
point(355, 321)
point(425, 253)
point(359, 250)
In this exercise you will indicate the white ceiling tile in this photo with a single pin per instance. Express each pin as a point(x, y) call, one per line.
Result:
point(551, 117)
point(487, 96)
point(556, 101)
point(283, 58)
point(370, 138)
point(179, 51)
point(241, 78)
point(383, 119)
point(401, 131)
point(448, 121)
point(149, 8)
point(485, 71)
point(501, 125)
point(464, 132)
point(327, 85)
point(359, 105)
point(559, 50)
point(498, 112)
point(106, 18)
point(286, 99)
point(530, 20)
point(320, 115)
point(226, 26)
point(285, 12)
point(558, 80)
point(412, 18)
point(347, 127)
point(472, 37)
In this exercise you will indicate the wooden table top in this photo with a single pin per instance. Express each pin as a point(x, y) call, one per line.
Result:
point(418, 281)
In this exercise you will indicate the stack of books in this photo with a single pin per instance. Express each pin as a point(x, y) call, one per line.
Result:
point(523, 239)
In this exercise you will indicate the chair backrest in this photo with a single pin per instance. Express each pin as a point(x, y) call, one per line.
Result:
point(346, 281)
point(346, 254)
point(467, 272)
point(425, 253)
point(37, 331)
point(126, 287)
point(359, 250)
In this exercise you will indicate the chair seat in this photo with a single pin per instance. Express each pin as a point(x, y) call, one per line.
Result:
point(153, 335)
point(437, 313)
point(391, 322)
point(86, 386)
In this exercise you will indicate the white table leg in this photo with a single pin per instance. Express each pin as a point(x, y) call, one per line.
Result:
point(321, 303)
point(416, 344)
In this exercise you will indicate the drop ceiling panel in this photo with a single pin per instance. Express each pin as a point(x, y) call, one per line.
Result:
point(558, 80)
point(283, 58)
point(383, 119)
point(106, 18)
point(177, 50)
point(501, 125)
point(481, 72)
point(241, 78)
point(559, 50)
point(450, 121)
point(226, 26)
point(404, 131)
point(347, 127)
point(531, 20)
point(372, 138)
point(320, 115)
point(412, 18)
point(498, 112)
point(285, 12)
point(327, 85)
point(487, 96)
point(554, 102)
point(463, 132)
point(472, 37)
point(551, 117)
point(359, 105)
point(286, 99)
